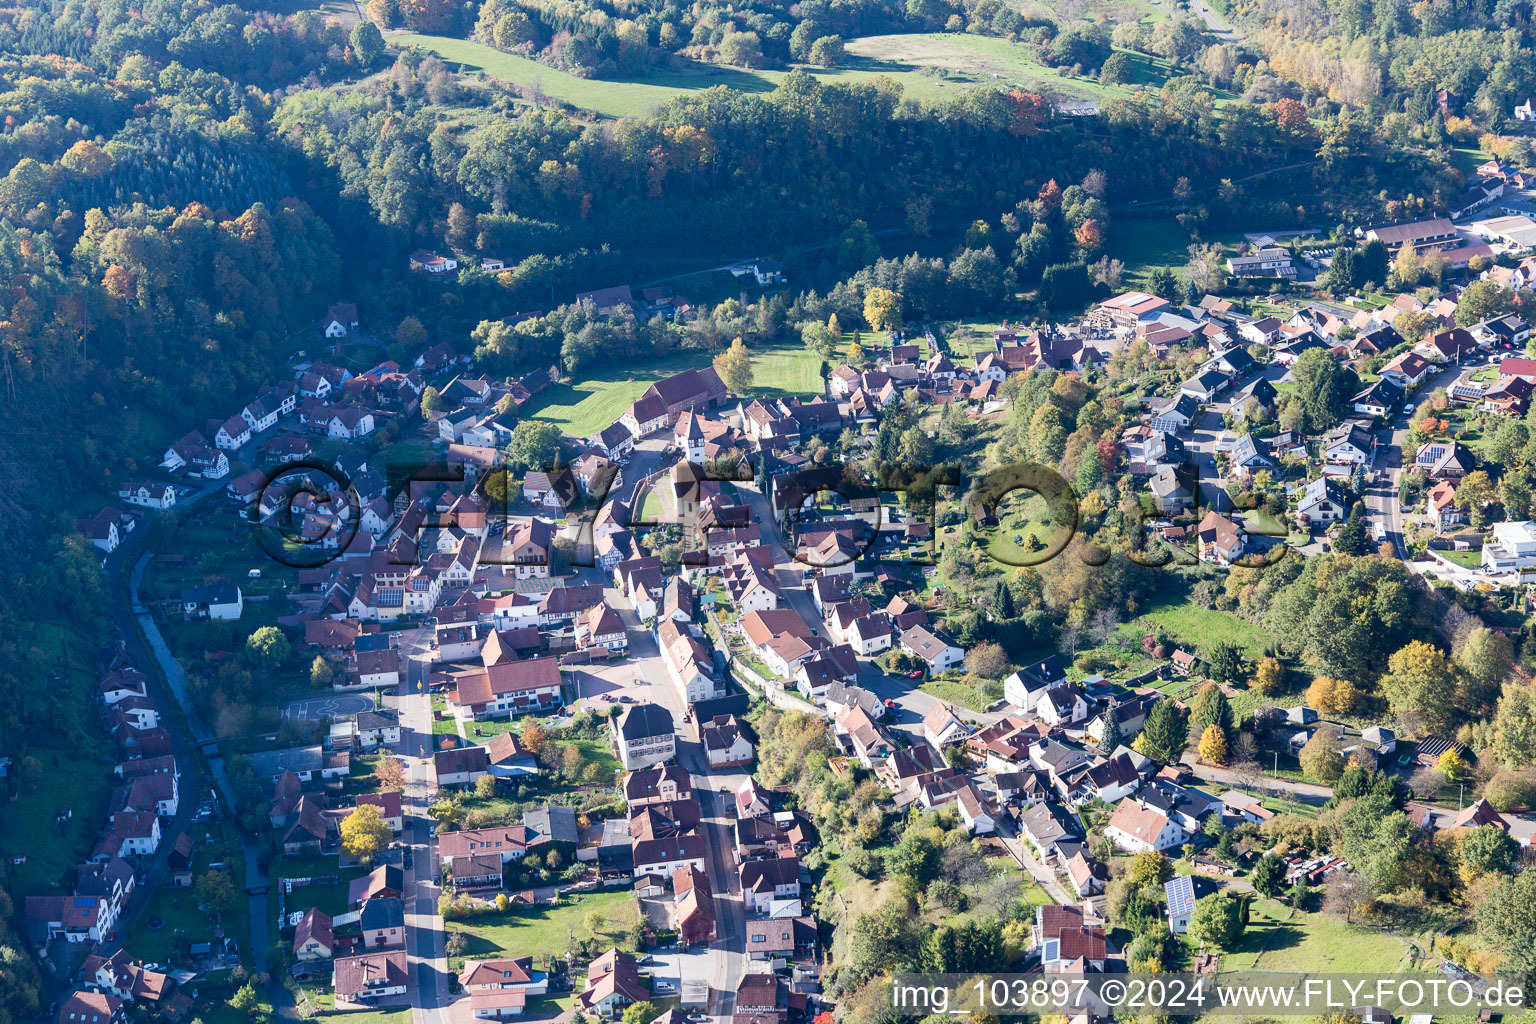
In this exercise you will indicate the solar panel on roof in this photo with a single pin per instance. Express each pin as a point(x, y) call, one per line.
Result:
point(1181, 895)
point(81, 902)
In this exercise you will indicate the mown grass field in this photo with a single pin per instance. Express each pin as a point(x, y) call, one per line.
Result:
point(955, 691)
point(966, 61)
point(1202, 627)
point(931, 66)
point(1146, 245)
point(632, 97)
point(548, 927)
point(1020, 515)
point(600, 398)
point(1279, 939)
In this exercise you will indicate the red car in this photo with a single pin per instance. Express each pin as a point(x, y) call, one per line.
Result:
point(916, 673)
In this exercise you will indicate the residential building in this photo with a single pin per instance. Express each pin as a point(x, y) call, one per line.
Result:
point(643, 735)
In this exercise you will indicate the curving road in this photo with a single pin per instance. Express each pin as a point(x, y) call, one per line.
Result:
point(183, 721)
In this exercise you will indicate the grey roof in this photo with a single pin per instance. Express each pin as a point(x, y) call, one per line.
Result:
point(854, 696)
point(1044, 825)
point(1384, 391)
point(1182, 403)
point(637, 721)
point(1209, 381)
point(1165, 482)
point(551, 823)
point(1353, 432)
point(214, 593)
point(1323, 487)
point(386, 912)
point(1248, 450)
point(272, 763)
point(1260, 390)
point(1163, 446)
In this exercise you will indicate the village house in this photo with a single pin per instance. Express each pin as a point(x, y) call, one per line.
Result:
point(643, 735)
point(370, 979)
point(1134, 828)
point(724, 744)
point(933, 648)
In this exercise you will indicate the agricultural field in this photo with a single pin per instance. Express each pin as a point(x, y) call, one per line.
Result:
point(967, 60)
point(632, 97)
point(586, 407)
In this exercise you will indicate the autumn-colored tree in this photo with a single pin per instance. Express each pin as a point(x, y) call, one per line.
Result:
point(1333, 696)
point(532, 737)
point(1213, 745)
point(1050, 195)
point(390, 773)
point(1320, 758)
point(364, 832)
point(854, 354)
point(1026, 110)
point(1267, 676)
point(1291, 115)
point(427, 15)
point(1088, 235)
point(1420, 680)
point(882, 309)
point(1150, 867)
point(734, 366)
point(1453, 766)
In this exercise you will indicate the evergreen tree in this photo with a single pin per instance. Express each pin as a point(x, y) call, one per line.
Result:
point(1112, 734)
point(1164, 736)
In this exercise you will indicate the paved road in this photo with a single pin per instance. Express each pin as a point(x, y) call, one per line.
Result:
point(1008, 833)
point(724, 962)
point(1226, 778)
point(180, 717)
point(1381, 499)
point(424, 938)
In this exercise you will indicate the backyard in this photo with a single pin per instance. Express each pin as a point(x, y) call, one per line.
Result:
point(1025, 533)
point(548, 927)
point(180, 921)
point(1280, 939)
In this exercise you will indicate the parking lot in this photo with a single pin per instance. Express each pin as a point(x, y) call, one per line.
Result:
point(604, 685)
